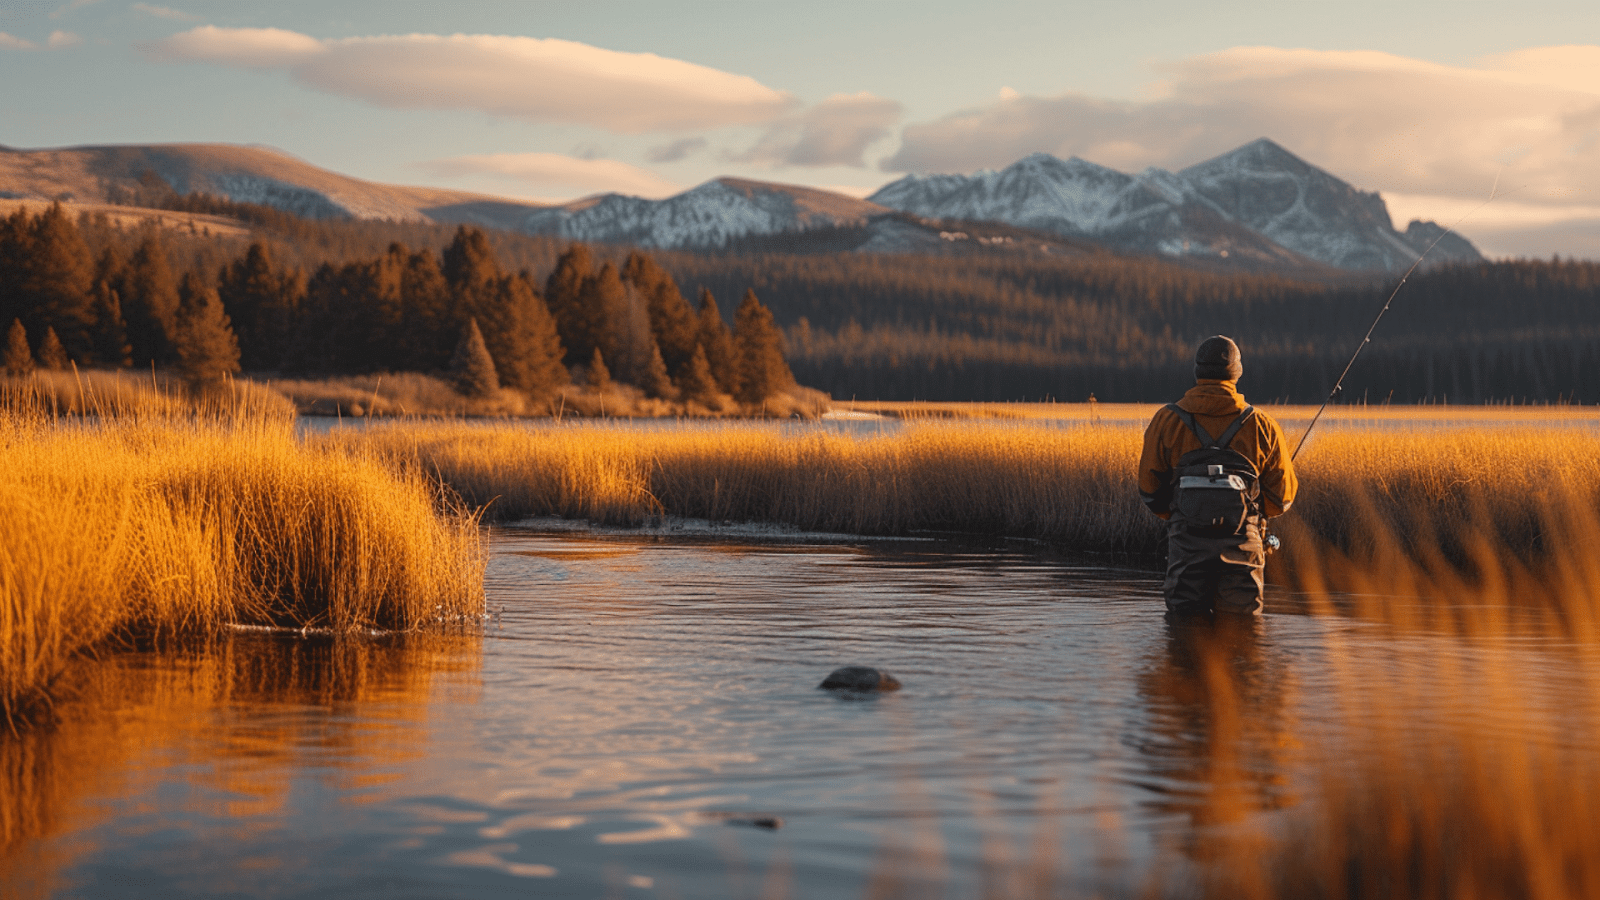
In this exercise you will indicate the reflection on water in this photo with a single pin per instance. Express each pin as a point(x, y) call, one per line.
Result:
point(642, 712)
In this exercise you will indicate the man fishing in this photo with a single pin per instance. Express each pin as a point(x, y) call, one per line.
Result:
point(1215, 468)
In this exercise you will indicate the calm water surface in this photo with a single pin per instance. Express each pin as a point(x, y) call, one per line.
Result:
point(642, 710)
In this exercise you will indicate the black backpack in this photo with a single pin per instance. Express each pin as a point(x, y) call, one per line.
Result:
point(1214, 488)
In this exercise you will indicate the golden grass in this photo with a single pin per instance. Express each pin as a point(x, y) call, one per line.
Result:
point(1467, 775)
point(152, 524)
point(1068, 485)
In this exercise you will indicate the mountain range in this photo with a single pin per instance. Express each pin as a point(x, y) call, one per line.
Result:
point(1258, 207)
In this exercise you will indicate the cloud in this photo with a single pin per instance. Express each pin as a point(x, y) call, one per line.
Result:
point(1381, 121)
point(164, 12)
point(246, 48)
point(558, 175)
point(835, 132)
point(667, 153)
point(58, 40)
point(541, 79)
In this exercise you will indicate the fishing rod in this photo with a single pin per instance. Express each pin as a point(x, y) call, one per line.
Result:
point(1367, 338)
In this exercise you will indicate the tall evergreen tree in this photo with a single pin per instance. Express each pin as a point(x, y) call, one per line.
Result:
point(472, 369)
point(19, 358)
point(521, 336)
point(672, 321)
point(53, 282)
point(149, 296)
point(713, 337)
point(630, 345)
point(16, 246)
point(563, 293)
point(696, 381)
point(207, 349)
point(597, 376)
point(469, 261)
point(262, 303)
point(602, 301)
point(110, 336)
point(758, 351)
point(424, 337)
point(52, 355)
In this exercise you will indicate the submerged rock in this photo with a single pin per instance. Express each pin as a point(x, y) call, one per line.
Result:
point(860, 679)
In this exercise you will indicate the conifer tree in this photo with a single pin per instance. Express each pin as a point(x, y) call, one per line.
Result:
point(19, 358)
point(207, 350)
point(654, 379)
point(262, 303)
point(598, 377)
point(57, 277)
point(16, 240)
point(521, 336)
point(472, 368)
point(602, 301)
point(149, 296)
point(696, 381)
point(758, 350)
point(52, 355)
point(563, 293)
point(716, 342)
point(672, 321)
point(110, 336)
point(469, 261)
point(629, 343)
point(425, 330)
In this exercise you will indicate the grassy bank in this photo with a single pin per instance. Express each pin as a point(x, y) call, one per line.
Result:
point(160, 524)
point(1070, 486)
point(1073, 485)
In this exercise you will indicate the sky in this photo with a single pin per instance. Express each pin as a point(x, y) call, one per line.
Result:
point(1482, 115)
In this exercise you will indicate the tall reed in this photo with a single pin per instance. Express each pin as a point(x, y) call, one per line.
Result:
point(1068, 485)
point(163, 524)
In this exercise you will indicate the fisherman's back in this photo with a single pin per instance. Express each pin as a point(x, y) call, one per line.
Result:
point(1211, 569)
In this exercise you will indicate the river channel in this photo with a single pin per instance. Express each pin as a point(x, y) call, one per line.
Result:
point(640, 718)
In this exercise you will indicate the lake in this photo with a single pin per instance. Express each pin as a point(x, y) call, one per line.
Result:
point(640, 718)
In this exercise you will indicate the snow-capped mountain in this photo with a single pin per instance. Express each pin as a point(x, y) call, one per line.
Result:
point(1259, 200)
point(1256, 208)
point(708, 216)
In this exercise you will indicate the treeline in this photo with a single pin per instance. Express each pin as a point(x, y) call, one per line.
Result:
point(1006, 326)
point(460, 313)
point(1014, 328)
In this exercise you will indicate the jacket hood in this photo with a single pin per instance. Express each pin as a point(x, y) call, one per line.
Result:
point(1211, 397)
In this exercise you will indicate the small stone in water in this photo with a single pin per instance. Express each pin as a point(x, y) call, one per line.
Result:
point(859, 678)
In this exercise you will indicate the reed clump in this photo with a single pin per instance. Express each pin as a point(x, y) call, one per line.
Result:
point(1474, 770)
point(1066, 485)
point(166, 526)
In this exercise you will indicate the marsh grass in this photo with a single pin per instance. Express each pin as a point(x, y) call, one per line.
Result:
point(1066, 485)
point(151, 523)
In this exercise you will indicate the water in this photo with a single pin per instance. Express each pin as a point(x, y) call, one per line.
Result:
point(641, 719)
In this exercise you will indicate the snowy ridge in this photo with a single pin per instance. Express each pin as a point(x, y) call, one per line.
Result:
point(709, 215)
point(1260, 200)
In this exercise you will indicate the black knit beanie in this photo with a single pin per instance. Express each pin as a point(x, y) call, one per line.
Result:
point(1218, 357)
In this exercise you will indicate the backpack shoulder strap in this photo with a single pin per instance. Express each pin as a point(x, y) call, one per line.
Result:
point(1233, 429)
point(1187, 419)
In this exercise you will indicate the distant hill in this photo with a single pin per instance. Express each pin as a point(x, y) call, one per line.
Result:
point(243, 174)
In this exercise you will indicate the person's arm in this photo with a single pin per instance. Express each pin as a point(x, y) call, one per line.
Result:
point(1155, 470)
point(1278, 482)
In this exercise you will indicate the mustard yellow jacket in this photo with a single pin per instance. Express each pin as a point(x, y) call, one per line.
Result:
point(1214, 405)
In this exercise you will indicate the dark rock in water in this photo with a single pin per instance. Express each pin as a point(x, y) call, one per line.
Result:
point(769, 823)
point(859, 678)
